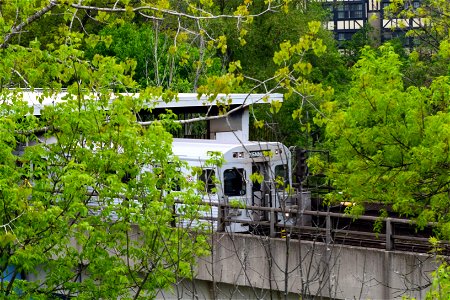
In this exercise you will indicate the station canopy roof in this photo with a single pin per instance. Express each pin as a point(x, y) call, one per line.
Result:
point(185, 100)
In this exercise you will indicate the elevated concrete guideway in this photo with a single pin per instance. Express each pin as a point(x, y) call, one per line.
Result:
point(312, 269)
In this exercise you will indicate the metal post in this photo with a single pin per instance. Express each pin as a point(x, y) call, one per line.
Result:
point(221, 219)
point(273, 215)
point(389, 244)
point(328, 229)
point(265, 204)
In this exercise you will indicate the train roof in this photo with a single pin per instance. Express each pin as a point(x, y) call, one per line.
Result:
point(200, 149)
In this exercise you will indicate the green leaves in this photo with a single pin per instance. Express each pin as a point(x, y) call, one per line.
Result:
point(159, 58)
point(295, 76)
point(6, 239)
point(284, 54)
point(257, 177)
point(391, 144)
point(275, 106)
point(440, 287)
point(72, 199)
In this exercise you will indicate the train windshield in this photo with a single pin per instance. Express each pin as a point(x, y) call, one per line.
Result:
point(234, 182)
point(207, 177)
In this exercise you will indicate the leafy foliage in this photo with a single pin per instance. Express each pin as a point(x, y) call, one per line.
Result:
point(158, 61)
point(430, 19)
point(88, 194)
point(92, 202)
point(390, 144)
point(440, 288)
point(73, 199)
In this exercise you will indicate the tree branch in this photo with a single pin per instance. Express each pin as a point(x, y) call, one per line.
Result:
point(169, 12)
point(29, 20)
point(35, 131)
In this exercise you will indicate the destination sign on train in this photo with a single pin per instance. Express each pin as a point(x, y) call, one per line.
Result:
point(260, 153)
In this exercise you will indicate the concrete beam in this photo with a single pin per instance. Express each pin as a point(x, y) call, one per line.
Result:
point(309, 268)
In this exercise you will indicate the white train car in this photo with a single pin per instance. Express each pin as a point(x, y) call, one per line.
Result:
point(271, 161)
point(231, 183)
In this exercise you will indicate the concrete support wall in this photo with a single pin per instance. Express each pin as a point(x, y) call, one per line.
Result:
point(306, 268)
point(231, 129)
point(204, 290)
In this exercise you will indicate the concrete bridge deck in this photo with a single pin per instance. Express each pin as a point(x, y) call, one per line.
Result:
point(254, 267)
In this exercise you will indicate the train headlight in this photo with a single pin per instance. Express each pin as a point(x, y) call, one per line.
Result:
point(238, 154)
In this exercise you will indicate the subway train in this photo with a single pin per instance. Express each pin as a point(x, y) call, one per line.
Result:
point(253, 173)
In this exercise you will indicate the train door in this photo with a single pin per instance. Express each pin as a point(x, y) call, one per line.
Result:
point(235, 189)
point(260, 189)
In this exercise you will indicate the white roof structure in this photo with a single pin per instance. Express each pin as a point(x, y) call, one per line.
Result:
point(232, 128)
point(192, 100)
point(37, 100)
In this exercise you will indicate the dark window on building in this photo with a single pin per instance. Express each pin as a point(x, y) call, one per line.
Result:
point(387, 35)
point(356, 11)
point(344, 36)
point(350, 11)
point(234, 182)
point(207, 177)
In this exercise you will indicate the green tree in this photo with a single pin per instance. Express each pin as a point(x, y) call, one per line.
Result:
point(263, 35)
point(430, 19)
point(254, 47)
point(90, 200)
point(429, 33)
point(159, 62)
point(390, 144)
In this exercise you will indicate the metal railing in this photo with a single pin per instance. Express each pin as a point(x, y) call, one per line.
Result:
point(386, 238)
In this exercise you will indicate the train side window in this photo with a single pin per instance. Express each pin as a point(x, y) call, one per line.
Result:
point(207, 177)
point(175, 183)
point(127, 177)
point(234, 182)
point(163, 182)
point(160, 177)
point(281, 174)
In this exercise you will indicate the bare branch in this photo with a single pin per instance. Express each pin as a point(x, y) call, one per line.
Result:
point(170, 12)
point(150, 17)
point(29, 20)
point(34, 131)
point(21, 77)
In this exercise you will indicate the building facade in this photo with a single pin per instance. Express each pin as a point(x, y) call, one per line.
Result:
point(347, 17)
